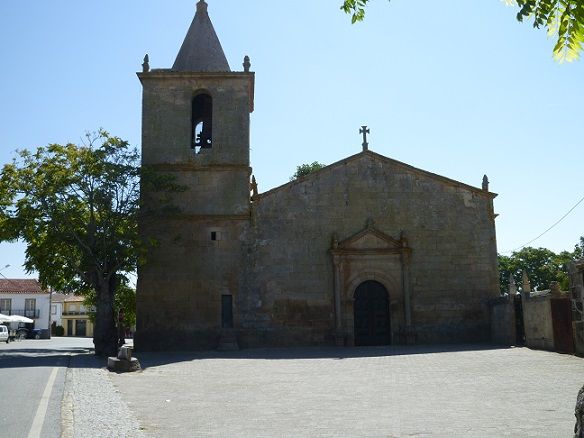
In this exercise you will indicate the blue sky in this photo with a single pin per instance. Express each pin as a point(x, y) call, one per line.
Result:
point(457, 88)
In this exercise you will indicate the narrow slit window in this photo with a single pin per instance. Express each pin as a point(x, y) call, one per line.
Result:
point(226, 311)
point(202, 134)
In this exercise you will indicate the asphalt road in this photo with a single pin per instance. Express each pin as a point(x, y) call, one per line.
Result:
point(32, 380)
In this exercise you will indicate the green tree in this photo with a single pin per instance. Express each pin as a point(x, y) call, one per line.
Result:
point(563, 19)
point(579, 249)
point(124, 302)
point(77, 207)
point(541, 265)
point(506, 267)
point(306, 169)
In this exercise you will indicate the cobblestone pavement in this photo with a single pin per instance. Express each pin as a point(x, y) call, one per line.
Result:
point(362, 392)
point(91, 406)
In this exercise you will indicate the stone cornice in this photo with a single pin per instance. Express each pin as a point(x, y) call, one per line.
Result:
point(171, 74)
point(194, 167)
point(209, 217)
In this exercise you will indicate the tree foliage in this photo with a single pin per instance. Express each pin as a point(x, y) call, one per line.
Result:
point(306, 169)
point(124, 302)
point(77, 207)
point(563, 19)
point(541, 265)
point(355, 8)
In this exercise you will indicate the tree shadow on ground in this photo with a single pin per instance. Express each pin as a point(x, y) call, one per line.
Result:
point(82, 357)
point(40, 357)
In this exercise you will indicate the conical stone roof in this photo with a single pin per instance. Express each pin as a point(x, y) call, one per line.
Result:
point(201, 50)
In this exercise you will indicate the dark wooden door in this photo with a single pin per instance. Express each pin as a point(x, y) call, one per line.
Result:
point(371, 312)
point(519, 328)
point(80, 327)
point(562, 323)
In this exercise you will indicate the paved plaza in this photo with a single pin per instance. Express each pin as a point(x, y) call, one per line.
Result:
point(455, 391)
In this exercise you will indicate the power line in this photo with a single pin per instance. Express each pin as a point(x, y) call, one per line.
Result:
point(556, 223)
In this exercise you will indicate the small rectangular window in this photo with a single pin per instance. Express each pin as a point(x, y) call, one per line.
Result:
point(5, 306)
point(30, 308)
point(213, 235)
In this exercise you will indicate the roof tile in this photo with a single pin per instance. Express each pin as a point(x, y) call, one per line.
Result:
point(21, 286)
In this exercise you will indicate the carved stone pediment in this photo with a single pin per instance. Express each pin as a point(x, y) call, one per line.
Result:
point(369, 240)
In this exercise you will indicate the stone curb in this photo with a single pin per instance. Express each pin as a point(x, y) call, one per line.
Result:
point(67, 419)
point(92, 405)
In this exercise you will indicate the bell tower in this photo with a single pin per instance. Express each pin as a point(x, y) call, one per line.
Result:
point(195, 128)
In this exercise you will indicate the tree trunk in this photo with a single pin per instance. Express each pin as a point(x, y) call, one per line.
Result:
point(105, 335)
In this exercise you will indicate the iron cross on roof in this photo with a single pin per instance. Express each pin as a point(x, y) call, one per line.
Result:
point(365, 131)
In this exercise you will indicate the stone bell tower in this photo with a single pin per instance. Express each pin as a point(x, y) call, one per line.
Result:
point(195, 127)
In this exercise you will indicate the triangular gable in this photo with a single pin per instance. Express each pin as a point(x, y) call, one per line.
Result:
point(377, 157)
point(369, 240)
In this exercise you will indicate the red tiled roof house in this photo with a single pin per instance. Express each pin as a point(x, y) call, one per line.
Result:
point(25, 297)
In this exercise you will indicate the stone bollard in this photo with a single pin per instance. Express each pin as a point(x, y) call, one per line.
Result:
point(124, 363)
point(125, 353)
point(579, 412)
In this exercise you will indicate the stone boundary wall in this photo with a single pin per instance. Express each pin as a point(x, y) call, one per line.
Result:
point(537, 320)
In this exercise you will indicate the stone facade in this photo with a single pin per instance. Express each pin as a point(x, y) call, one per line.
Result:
point(367, 244)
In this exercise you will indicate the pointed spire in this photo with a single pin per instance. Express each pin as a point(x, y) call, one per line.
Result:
point(526, 284)
point(486, 183)
point(512, 286)
point(146, 64)
point(555, 288)
point(246, 64)
point(201, 50)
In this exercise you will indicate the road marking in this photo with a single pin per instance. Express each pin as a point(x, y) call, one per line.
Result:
point(39, 418)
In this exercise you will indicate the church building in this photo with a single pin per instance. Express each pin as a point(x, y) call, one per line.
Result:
point(366, 251)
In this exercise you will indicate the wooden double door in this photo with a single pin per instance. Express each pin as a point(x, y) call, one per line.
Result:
point(371, 314)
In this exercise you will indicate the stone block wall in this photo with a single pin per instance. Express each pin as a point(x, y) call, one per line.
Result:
point(181, 287)
point(166, 117)
point(537, 320)
point(449, 227)
point(200, 252)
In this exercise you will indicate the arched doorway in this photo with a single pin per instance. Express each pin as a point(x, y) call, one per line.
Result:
point(371, 314)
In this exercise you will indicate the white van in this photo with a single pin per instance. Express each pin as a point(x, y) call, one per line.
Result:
point(4, 334)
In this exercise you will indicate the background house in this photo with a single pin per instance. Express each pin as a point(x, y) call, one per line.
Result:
point(75, 317)
point(26, 297)
point(57, 300)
